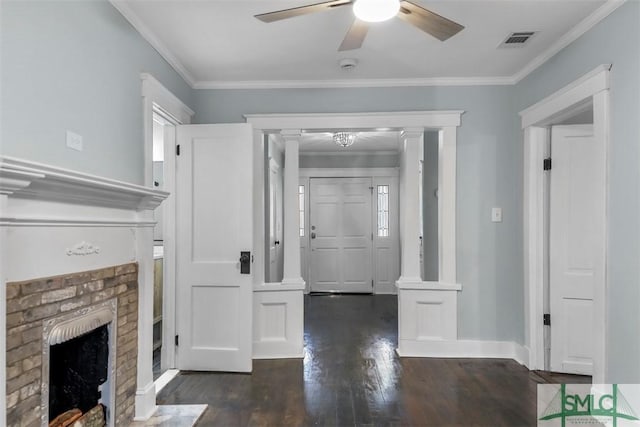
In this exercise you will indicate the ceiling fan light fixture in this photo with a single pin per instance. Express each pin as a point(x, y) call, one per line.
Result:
point(376, 10)
point(344, 139)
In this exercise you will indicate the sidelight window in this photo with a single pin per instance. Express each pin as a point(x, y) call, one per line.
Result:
point(301, 208)
point(383, 211)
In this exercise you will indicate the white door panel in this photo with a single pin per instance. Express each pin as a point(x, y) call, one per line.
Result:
point(341, 239)
point(575, 247)
point(214, 224)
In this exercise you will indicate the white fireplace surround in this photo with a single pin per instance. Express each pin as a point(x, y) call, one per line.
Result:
point(72, 221)
point(72, 325)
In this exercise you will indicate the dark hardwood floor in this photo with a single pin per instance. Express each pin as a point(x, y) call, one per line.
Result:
point(351, 376)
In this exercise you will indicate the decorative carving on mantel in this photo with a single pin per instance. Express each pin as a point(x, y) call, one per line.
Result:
point(83, 248)
point(27, 179)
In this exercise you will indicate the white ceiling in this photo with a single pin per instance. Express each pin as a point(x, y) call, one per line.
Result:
point(378, 141)
point(214, 43)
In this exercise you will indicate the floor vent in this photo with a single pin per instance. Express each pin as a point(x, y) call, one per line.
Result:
point(518, 39)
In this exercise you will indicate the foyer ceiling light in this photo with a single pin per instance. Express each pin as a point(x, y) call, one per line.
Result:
point(344, 139)
point(376, 10)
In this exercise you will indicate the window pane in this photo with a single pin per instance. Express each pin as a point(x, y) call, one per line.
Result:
point(301, 208)
point(383, 211)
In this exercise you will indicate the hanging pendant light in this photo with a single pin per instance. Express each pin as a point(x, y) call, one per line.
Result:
point(376, 10)
point(344, 139)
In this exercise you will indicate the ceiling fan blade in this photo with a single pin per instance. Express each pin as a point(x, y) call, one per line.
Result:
point(355, 36)
point(302, 10)
point(427, 21)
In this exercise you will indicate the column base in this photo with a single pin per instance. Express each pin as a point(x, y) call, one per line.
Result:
point(427, 313)
point(145, 402)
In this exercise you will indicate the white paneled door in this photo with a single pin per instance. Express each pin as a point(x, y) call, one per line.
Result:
point(576, 246)
point(214, 226)
point(340, 235)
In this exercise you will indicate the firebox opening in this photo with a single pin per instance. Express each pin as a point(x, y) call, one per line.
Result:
point(78, 367)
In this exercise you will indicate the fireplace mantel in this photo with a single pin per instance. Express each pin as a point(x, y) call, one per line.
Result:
point(26, 179)
point(56, 221)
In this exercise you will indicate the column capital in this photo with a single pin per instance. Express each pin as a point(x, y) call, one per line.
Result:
point(411, 133)
point(291, 134)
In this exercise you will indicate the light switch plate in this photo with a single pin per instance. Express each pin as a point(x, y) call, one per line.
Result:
point(74, 141)
point(496, 215)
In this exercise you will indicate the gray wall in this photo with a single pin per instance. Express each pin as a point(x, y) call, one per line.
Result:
point(363, 160)
point(76, 65)
point(615, 40)
point(489, 174)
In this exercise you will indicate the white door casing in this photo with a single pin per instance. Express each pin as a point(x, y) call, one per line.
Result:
point(575, 264)
point(340, 235)
point(592, 89)
point(214, 224)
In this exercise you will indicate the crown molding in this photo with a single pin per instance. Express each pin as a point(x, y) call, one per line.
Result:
point(569, 37)
point(355, 83)
point(126, 11)
point(30, 180)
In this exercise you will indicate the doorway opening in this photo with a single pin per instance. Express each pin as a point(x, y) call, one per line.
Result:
point(566, 138)
point(349, 211)
point(161, 126)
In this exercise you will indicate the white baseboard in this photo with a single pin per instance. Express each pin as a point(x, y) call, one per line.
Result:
point(464, 349)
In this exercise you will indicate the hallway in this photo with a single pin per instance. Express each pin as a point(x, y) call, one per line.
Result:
point(352, 376)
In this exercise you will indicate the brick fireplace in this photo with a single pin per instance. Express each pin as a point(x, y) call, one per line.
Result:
point(34, 304)
point(76, 254)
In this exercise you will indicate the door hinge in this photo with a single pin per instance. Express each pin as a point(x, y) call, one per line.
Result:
point(177, 340)
point(371, 236)
point(371, 283)
point(178, 150)
point(546, 319)
point(546, 164)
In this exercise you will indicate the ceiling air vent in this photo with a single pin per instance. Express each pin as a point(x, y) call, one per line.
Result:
point(518, 39)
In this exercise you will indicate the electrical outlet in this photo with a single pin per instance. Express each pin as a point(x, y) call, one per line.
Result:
point(74, 141)
point(496, 215)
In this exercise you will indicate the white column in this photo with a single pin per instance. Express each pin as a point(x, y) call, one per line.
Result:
point(292, 270)
point(258, 207)
point(412, 140)
point(447, 205)
point(145, 403)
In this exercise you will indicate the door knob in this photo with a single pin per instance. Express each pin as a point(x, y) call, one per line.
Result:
point(277, 242)
point(245, 262)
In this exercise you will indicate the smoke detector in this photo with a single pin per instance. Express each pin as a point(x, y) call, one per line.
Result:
point(348, 64)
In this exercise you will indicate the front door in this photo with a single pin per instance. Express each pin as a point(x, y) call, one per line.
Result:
point(340, 235)
point(576, 248)
point(214, 225)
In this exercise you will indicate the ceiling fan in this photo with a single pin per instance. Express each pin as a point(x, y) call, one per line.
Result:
point(368, 11)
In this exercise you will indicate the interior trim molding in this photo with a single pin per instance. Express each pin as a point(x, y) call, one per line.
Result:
point(436, 119)
point(569, 37)
point(465, 349)
point(579, 90)
point(126, 11)
point(356, 83)
point(591, 88)
point(44, 182)
point(165, 99)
